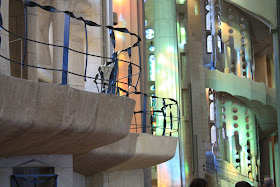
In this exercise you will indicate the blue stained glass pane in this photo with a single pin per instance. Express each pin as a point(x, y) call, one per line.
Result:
point(153, 88)
point(149, 34)
point(152, 48)
point(152, 58)
point(152, 63)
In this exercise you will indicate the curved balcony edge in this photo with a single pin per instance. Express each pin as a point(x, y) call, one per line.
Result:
point(260, 98)
point(40, 118)
point(133, 152)
point(243, 87)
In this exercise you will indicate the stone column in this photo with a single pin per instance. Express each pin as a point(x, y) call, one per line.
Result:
point(166, 80)
point(32, 33)
point(216, 10)
point(76, 63)
point(4, 50)
point(276, 45)
point(58, 38)
point(195, 127)
point(271, 159)
point(45, 52)
point(277, 162)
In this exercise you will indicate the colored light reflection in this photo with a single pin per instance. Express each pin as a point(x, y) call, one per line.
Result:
point(122, 21)
point(170, 49)
point(181, 1)
point(169, 173)
point(196, 8)
point(183, 36)
point(152, 67)
point(119, 35)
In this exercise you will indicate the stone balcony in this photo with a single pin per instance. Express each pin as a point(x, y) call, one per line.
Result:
point(260, 98)
point(41, 118)
point(133, 152)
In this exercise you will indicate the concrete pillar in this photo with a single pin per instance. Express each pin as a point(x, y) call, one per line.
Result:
point(276, 46)
point(76, 62)
point(271, 160)
point(45, 53)
point(216, 19)
point(32, 33)
point(277, 162)
point(195, 127)
point(58, 38)
point(5, 50)
point(97, 44)
point(79, 180)
point(5, 176)
point(166, 81)
point(166, 49)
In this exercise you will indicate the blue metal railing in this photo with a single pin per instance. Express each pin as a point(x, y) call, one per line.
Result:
point(170, 122)
point(18, 180)
point(110, 85)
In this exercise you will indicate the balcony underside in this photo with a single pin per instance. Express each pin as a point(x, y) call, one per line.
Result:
point(257, 96)
point(40, 118)
point(133, 152)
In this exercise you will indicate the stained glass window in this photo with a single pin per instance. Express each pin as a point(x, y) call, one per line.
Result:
point(149, 34)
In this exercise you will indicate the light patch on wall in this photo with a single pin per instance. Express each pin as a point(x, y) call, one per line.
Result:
point(196, 8)
point(152, 67)
point(181, 1)
point(122, 21)
point(119, 35)
point(161, 59)
point(183, 36)
point(170, 49)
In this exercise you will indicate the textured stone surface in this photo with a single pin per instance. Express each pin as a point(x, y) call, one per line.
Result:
point(133, 152)
point(41, 118)
point(246, 88)
point(257, 96)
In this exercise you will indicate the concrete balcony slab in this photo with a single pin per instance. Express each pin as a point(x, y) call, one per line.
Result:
point(133, 152)
point(41, 118)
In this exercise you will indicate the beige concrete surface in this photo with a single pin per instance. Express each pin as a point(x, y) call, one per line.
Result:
point(266, 12)
point(41, 118)
point(133, 152)
point(125, 178)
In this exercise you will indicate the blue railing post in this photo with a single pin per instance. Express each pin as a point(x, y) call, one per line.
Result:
point(65, 49)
